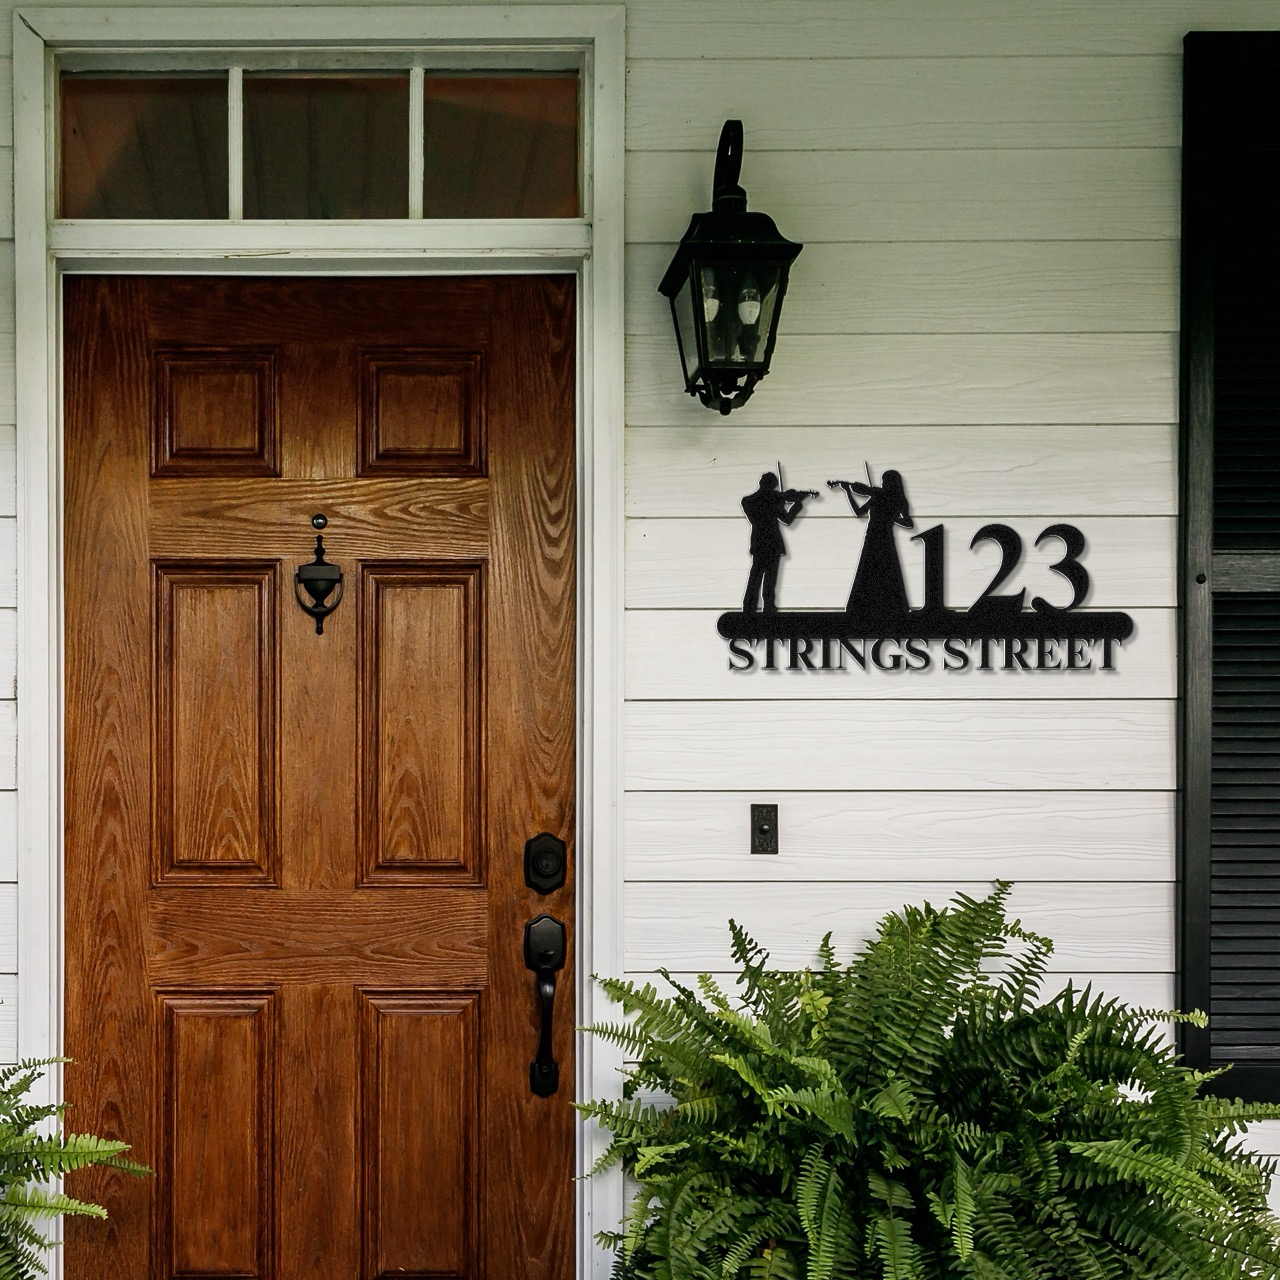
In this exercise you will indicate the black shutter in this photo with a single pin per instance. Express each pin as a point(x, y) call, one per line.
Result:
point(1229, 955)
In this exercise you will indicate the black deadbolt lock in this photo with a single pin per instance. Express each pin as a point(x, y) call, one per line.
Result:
point(544, 863)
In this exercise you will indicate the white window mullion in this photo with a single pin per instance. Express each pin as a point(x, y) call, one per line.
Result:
point(417, 146)
point(235, 143)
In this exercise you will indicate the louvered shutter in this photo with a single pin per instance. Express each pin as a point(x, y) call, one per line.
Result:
point(1229, 956)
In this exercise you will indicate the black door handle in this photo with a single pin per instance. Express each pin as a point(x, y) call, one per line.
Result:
point(544, 954)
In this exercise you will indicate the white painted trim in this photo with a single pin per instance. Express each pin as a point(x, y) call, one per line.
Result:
point(568, 239)
point(445, 27)
point(601, 552)
point(592, 247)
point(235, 143)
point(417, 143)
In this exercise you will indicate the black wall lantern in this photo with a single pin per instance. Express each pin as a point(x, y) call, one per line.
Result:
point(726, 285)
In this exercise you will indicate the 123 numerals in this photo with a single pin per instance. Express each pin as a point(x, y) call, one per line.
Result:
point(1010, 543)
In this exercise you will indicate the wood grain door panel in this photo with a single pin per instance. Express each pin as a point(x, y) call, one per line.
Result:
point(295, 899)
point(420, 1116)
point(216, 1136)
point(216, 738)
point(422, 644)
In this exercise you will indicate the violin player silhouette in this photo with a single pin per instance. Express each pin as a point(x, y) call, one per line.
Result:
point(767, 509)
point(879, 594)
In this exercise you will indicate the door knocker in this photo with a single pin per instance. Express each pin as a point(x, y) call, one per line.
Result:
point(319, 578)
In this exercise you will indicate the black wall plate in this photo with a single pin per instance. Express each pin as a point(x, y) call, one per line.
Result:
point(764, 828)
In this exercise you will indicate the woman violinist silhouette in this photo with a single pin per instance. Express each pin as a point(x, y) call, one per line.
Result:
point(878, 591)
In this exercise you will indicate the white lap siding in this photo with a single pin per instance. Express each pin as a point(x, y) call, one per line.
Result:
point(987, 302)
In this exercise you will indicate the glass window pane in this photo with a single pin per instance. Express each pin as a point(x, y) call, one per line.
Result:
point(144, 147)
point(326, 146)
point(501, 146)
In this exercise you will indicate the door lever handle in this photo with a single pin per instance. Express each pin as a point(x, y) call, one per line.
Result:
point(544, 944)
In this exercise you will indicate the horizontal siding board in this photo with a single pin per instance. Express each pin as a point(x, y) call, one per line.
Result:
point(8, 1017)
point(806, 29)
point(953, 287)
point(8, 563)
point(8, 751)
point(8, 836)
point(703, 564)
point(845, 196)
point(1019, 470)
point(6, 194)
point(1014, 835)
point(6, 99)
point(8, 654)
point(8, 392)
point(1264, 1137)
point(8, 317)
point(8, 471)
point(896, 746)
point(673, 654)
point(1104, 927)
point(8, 928)
point(837, 104)
point(935, 379)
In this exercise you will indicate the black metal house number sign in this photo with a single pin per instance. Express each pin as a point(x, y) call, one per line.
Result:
point(877, 629)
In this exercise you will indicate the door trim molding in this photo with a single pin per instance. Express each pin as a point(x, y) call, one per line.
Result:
point(590, 247)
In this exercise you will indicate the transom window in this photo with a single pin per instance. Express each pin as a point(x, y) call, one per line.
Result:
point(242, 143)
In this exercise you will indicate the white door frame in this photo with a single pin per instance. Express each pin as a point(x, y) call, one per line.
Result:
point(591, 247)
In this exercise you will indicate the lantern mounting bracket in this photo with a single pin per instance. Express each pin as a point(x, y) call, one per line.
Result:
point(726, 194)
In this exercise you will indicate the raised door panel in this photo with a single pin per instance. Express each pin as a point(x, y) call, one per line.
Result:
point(419, 1150)
point(216, 732)
point(422, 412)
point(215, 411)
point(216, 1088)
point(422, 736)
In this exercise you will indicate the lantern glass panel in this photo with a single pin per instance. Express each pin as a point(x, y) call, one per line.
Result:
point(686, 331)
point(739, 302)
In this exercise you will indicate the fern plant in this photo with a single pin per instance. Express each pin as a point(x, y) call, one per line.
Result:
point(30, 1158)
point(922, 1114)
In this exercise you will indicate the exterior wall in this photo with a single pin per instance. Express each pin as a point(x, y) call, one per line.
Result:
point(987, 301)
point(988, 194)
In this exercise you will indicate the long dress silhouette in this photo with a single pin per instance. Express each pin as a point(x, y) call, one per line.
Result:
point(879, 593)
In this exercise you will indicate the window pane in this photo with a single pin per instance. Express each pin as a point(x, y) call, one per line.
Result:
point(326, 146)
point(144, 147)
point(501, 146)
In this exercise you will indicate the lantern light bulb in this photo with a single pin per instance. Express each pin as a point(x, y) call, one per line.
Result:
point(749, 305)
point(710, 301)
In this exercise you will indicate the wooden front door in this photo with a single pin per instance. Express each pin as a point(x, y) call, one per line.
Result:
point(295, 893)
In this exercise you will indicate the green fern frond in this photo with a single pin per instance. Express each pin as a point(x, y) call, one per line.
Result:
point(30, 1157)
point(33, 1202)
point(923, 1113)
